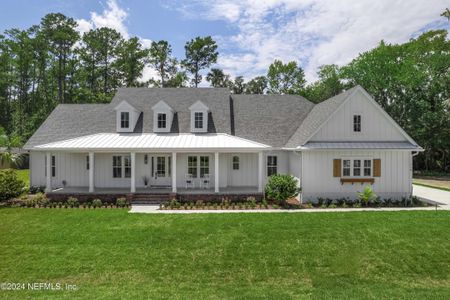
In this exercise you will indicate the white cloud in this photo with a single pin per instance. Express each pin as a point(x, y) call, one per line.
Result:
point(113, 16)
point(312, 32)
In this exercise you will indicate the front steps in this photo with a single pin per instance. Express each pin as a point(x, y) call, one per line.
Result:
point(150, 198)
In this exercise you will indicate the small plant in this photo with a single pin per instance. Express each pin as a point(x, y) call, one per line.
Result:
point(264, 203)
point(97, 203)
point(199, 203)
point(41, 199)
point(36, 189)
point(10, 185)
point(30, 202)
point(367, 195)
point(174, 203)
point(251, 201)
point(357, 205)
point(60, 205)
point(309, 205)
point(73, 202)
point(121, 202)
point(275, 206)
point(332, 205)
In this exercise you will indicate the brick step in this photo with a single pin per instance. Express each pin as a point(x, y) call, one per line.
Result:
point(146, 202)
point(144, 197)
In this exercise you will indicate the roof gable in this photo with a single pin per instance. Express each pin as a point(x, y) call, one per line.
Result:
point(124, 105)
point(162, 106)
point(199, 105)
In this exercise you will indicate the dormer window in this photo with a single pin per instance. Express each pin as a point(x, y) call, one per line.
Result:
point(162, 121)
point(162, 117)
point(124, 119)
point(199, 117)
point(198, 120)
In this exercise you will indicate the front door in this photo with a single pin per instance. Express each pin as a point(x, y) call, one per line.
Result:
point(160, 170)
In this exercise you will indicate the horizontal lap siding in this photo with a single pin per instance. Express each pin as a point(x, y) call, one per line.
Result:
point(318, 181)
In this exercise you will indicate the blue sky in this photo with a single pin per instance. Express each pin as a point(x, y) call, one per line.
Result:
point(250, 33)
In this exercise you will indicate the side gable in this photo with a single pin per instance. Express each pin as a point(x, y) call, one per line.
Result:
point(376, 124)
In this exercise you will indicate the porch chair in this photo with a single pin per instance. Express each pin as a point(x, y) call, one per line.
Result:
point(189, 181)
point(204, 182)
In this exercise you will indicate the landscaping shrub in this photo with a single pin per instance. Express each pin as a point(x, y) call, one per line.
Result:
point(34, 189)
point(10, 185)
point(121, 202)
point(281, 187)
point(367, 195)
point(73, 202)
point(41, 199)
point(97, 203)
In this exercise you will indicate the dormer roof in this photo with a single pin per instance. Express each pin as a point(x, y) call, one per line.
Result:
point(124, 105)
point(162, 106)
point(199, 105)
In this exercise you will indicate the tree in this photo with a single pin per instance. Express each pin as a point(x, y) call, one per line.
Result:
point(9, 142)
point(130, 61)
point(237, 86)
point(200, 54)
point(257, 85)
point(61, 35)
point(217, 78)
point(285, 78)
point(328, 85)
point(160, 58)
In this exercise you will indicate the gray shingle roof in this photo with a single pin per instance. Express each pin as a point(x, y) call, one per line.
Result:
point(316, 117)
point(269, 119)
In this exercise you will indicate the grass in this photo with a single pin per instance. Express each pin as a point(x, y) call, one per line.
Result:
point(113, 254)
point(416, 182)
point(441, 182)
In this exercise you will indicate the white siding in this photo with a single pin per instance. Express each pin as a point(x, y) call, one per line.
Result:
point(37, 168)
point(374, 126)
point(395, 180)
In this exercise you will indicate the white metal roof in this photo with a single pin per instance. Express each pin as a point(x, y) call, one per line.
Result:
point(360, 145)
point(150, 141)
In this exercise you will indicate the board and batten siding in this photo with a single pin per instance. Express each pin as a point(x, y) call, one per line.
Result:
point(374, 125)
point(395, 180)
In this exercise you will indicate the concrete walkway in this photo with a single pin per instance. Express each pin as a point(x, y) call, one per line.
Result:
point(432, 196)
point(154, 209)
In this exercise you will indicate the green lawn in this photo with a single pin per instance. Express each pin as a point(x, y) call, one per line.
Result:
point(111, 254)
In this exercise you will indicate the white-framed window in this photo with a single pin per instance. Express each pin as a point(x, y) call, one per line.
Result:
point(272, 165)
point(198, 120)
point(235, 162)
point(192, 166)
point(162, 120)
point(357, 167)
point(204, 166)
point(356, 123)
point(53, 166)
point(121, 166)
point(124, 119)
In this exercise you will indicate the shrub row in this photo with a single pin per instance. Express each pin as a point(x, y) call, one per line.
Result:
point(40, 200)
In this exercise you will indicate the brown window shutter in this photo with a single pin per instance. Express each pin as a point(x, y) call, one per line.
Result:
point(377, 167)
point(336, 167)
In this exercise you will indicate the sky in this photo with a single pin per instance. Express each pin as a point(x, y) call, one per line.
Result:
point(250, 34)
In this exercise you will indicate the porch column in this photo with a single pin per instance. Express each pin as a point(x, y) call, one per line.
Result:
point(48, 186)
point(174, 172)
point(91, 172)
point(216, 172)
point(133, 172)
point(260, 172)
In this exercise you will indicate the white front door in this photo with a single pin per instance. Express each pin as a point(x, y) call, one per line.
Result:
point(161, 170)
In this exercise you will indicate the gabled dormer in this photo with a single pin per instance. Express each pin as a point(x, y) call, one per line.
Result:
point(162, 117)
point(126, 117)
point(199, 117)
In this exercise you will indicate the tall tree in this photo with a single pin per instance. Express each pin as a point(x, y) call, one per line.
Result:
point(237, 86)
point(218, 78)
point(160, 58)
point(257, 85)
point(130, 61)
point(285, 78)
point(61, 35)
point(201, 53)
point(328, 85)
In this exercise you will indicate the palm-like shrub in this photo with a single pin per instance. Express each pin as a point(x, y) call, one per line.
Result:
point(367, 195)
point(281, 187)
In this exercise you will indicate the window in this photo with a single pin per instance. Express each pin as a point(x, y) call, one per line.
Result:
point(235, 162)
point(87, 162)
point(192, 166)
point(367, 167)
point(162, 120)
point(204, 166)
point(271, 165)
point(198, 120)
point(356, 167)
point(127, 163)
point(117, 166)
point(169, 166)
point(346, 167)
point(124, 119)
point(357, 123)
point(161, 166)
point(145, 159)
point(53, 166)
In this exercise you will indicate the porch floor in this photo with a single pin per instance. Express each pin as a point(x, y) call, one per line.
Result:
point(168, 190)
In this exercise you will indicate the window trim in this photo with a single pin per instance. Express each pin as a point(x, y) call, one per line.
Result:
point(355, 123)
point(202, 120)
point(124, 120)
point(361, 167)
point(271, 166)
point(199, 168)
point(162, 121)
point(235, 163)
point(124, 166)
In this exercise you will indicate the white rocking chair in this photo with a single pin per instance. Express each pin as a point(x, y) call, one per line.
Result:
point(189, 181)
point(204, 181)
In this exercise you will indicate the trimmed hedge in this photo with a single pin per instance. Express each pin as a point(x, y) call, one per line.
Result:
point(10, 185)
